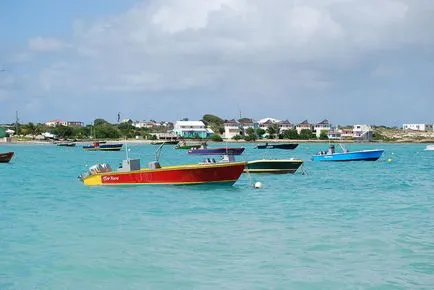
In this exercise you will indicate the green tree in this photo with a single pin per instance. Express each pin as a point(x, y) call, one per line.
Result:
point(324, 135)
point(31, 129)
point(272, 131)
point(100, 121)
point(290, 134)
point(127, 130)
point(306, 134)
point(250, 134)
point(106, 131)
point(237, 137)
point(260, 132)
point(214, 122)
point(63, 131)
point(212, 119)
point(216, 138)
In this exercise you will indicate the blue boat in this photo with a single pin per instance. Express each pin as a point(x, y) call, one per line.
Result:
point(346, 155)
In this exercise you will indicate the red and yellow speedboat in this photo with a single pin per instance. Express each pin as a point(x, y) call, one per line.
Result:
point(130, 173)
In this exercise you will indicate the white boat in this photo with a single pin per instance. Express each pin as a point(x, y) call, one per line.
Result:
point(429, 148)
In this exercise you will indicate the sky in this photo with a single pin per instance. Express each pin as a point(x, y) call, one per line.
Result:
point(348, 61)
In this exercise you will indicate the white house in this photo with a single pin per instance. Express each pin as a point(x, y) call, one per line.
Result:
point(322, 126)
point(362, 132)
point(191, 129)
point(144, 124)
point(54, 123)
point(285, 125)
point(303, 125)
point(418, 127)
point(234, 127)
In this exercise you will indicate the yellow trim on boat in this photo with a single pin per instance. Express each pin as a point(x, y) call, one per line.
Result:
point(96, 182)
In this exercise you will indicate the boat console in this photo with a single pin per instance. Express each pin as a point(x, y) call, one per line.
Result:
point(129, 165)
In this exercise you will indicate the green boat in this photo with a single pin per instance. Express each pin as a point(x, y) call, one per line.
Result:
point(273, 166)
point(187, 147)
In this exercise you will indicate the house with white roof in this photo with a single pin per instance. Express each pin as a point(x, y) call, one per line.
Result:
point(417, 127)
point(192, 129)
point(54, 123)
point(144, 124)
point(362, 132)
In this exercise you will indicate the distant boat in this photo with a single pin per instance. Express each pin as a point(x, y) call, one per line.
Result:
point(273, 166)
point(6, 157)
point(97, 146)
point(185, 145)
point(429, 148)
point(167, 142)
point(204, 150)
point(66, 144)
point(361, 155)
point(287, 146)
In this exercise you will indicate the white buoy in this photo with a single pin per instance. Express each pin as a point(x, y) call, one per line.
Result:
point(389, 160)
point(258, 185)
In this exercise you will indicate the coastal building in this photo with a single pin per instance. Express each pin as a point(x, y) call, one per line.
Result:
point(268, 123)
point(165, 136)
point(233, 127)
point(321, 127)
point(346, 133)
point(362, 132)
point(54, 123)
point(285, 125)
point(417, 127)
point(303, 125)
point(144, 124)
point(192, 129)
point(334, 134)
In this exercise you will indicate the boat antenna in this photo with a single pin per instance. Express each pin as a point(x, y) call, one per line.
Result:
point(126, 148)
point(157, 153)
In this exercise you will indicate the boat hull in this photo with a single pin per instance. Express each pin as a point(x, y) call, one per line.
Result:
point(278, 146)
point(165, 142)
point(103, 147)
point(193, 174)
point(6, 157)
point(429, 148)
point(66, 144)
point(273, 166)
point(364, 155)
point(217, 151)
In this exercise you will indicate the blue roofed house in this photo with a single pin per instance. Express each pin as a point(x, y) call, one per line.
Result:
point(192, 129)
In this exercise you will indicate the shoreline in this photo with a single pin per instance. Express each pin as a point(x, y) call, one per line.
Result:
point(262, 141)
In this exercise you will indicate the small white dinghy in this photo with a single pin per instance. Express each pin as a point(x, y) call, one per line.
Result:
point(429, 148)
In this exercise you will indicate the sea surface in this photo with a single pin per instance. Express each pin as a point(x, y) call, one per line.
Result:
point(355, 225)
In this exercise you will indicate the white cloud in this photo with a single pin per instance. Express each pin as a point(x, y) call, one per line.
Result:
point(279, 49)
point(43, 44)
point(184, 44)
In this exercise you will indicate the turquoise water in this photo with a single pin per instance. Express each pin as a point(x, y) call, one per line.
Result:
point(358, 225)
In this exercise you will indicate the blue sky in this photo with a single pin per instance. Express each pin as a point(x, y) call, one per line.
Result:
point(349, 61)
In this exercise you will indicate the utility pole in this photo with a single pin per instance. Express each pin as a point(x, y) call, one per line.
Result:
point(16, 123)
